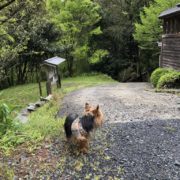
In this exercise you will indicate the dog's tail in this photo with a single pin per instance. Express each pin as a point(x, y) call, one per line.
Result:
point(68, 122)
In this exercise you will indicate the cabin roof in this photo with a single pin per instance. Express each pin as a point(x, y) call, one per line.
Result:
point(55, 61)
point(170, 12)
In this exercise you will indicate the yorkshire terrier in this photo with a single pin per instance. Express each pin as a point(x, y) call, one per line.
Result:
point(78, 129)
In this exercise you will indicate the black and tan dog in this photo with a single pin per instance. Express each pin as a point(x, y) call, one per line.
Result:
point(78, 129)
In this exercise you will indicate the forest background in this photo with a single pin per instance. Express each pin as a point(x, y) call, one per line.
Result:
point(119, 38)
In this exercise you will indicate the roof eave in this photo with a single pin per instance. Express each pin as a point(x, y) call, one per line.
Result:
point(168, 15)
point(49, 64)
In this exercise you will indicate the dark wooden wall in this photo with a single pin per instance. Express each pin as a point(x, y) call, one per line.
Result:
point(170, 51)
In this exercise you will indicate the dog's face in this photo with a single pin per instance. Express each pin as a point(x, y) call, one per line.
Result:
point(88, 108)
point(96, 112)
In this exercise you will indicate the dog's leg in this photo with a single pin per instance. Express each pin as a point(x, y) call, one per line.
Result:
point(83, 146)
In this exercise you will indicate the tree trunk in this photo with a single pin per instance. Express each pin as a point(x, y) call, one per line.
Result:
point(70, 62)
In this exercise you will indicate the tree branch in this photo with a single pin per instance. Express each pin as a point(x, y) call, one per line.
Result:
point(6, 4)
point(11, 15)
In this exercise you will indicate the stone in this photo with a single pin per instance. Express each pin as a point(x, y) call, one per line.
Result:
point(177, 163)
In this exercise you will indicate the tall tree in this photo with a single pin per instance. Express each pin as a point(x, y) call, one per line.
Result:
point(118, 18)
point(77, 21)
point(26, 38)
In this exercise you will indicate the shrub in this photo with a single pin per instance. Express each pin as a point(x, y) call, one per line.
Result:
point(157, 74)
point(169, 80)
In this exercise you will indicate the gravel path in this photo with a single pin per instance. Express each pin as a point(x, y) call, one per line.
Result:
point(140, 139)
point(124, 102)
point(141, 135)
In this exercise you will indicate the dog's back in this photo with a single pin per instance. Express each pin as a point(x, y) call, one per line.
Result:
point(67, 125)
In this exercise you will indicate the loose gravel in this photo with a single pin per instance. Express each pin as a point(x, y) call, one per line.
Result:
point(140, 139)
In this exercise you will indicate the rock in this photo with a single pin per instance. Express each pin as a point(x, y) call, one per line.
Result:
point(178, 108)
point(15, 178)
point(31, 108)
point(177, 163)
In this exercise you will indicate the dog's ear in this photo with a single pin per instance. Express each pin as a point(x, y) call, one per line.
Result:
point(97, 108)
point(86, 104)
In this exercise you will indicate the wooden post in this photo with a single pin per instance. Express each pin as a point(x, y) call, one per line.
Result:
point(48, 87)
point(40, 89)
point(39, 81)
point(59, 78)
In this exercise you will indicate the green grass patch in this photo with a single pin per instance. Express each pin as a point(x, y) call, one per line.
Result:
point(42, 123)
point(20, 96)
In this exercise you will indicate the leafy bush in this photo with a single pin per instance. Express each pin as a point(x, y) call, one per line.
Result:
point(5, 120)
point(169, 80)
point(157, 74)
point(36, 129)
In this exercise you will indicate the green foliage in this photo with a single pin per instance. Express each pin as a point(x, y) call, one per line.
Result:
point(21, 95)
point(98, 55)
point(45, 125)
point(169, 80)
point(149, 31)
point(5, 121)
point(117, 25)
point(41, 124)
point(157, 74)
point(77, 21)
point(26, 38)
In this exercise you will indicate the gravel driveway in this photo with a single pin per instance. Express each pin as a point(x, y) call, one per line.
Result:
point(140, 138)
point(124, 102)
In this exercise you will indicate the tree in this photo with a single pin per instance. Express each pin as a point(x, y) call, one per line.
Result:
point(77, 21)
point(25, 41)
point(117, 24)
point(148, 32)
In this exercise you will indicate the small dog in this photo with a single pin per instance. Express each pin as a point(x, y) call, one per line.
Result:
point(78, 129)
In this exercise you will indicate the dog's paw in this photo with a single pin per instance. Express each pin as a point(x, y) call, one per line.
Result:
point(84, 150)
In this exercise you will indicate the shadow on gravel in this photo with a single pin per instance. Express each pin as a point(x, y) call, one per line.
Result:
point(134, 150)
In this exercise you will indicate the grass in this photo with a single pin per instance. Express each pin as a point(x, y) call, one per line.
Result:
point(42, 123)
point(20, 96)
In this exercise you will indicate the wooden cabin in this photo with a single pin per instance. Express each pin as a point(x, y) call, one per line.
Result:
point(170, 48)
